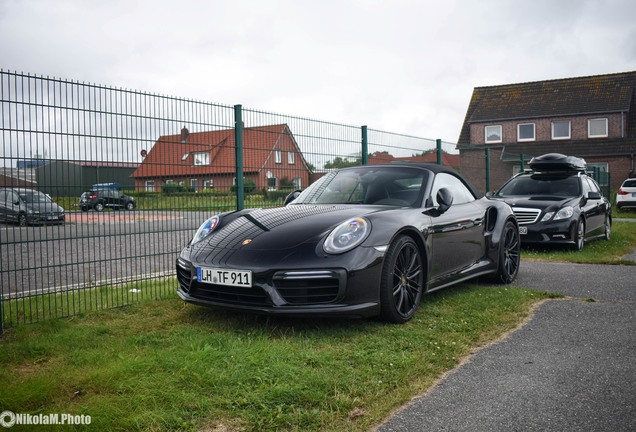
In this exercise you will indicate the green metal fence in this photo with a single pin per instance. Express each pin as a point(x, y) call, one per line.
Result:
point(179, 159)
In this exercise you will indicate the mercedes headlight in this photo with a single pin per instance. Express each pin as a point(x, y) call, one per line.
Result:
point(206, 229)
point(564, 213)
point(347, 236)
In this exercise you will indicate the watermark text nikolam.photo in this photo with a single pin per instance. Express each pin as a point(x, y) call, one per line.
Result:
point(9, 419)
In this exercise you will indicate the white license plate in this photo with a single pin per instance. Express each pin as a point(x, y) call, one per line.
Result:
point(218, 276)
point(523, 230)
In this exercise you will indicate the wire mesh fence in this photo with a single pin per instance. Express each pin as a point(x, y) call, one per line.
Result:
point(101, 187)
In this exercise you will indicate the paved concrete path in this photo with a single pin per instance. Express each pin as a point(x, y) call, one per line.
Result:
point(571, 367)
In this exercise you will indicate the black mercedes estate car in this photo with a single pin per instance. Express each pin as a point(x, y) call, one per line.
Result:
point(557, 202)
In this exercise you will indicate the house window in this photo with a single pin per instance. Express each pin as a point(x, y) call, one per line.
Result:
point(298, 183)
point(185, 156)
point(150, 185)
point(169, 181)
point(208, 184)
point(278, 155)
point(290, 158)
point(271, 181)
point(560, 130)
point(597, 128)
point(493, 134)
point(193, 184)
point(525, 132)
point(201, 158)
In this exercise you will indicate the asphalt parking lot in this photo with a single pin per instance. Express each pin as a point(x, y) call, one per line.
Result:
point(570, 367)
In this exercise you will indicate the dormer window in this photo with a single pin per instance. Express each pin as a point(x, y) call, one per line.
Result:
point(201, 158)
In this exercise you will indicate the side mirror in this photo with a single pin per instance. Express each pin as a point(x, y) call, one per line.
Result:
point(594, 195)
point(444, 199)
point(490, 194)
point(291, 197)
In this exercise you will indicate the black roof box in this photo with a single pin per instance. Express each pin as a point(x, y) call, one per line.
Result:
point(557, 162)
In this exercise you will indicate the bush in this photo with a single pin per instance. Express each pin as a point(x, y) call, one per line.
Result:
point(248, 187)
point(175, 189)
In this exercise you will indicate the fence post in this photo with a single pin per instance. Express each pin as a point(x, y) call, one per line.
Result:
point(238, 140)
point(438, 142)
point(365, 146)
point(487, 169)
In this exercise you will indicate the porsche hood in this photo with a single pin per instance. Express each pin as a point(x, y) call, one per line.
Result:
point(280, 228)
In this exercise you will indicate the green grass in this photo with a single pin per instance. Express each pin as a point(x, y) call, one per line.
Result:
point(167, 365)
point(623, 241)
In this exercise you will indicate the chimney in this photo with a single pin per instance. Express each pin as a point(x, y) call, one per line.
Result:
point(185, 133)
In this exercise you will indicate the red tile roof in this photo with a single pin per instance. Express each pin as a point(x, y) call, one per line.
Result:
point(172, 156)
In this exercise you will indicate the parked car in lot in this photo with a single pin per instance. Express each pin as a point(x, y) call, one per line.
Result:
point(106, 198)
point(557, 202)
point(28, 206)
point(626, 195)
point(361, 241)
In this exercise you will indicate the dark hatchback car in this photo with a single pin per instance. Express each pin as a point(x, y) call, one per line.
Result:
point(558, 202)
point(106, 198)
point(361, 241)
point(29, 207)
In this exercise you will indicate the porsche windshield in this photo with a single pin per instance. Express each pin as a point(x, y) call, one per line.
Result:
point(399, 186)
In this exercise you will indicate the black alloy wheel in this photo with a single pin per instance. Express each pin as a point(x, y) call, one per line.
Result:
point(402, 282)
point(22, 220)
point(99, 207)
point(509, 253)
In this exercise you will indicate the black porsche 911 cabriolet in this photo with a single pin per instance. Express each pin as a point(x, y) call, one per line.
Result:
point(361, 241)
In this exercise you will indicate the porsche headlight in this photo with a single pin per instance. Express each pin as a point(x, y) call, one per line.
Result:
point(564, 213)
point(347, 236)
point(206, 229)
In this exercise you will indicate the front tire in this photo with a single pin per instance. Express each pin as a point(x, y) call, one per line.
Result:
point(99, 207)
point(579, 235)
point(22, 220)
point(402, 282)
point(608, 228)
point(130, 206)
point(509, 253)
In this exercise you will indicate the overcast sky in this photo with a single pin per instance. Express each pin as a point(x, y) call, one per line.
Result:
point(401, 66)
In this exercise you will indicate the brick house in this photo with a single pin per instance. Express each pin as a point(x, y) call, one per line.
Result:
point(206, 160)
point(590, 117)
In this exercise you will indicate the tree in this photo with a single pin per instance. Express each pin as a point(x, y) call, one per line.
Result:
point(339, 162)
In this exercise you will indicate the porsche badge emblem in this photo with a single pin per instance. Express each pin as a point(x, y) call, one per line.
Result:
point(247, 241)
